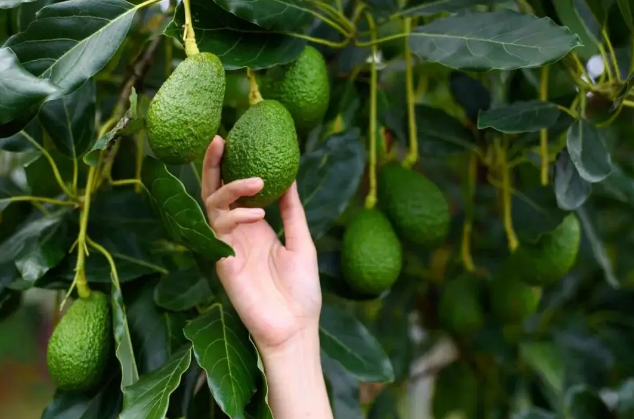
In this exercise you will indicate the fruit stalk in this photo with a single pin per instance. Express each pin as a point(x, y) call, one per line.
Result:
point(467, 260)
point(513, 242)
point(543, 134)
point(370, 199)
point(254, 89)
point(82, 249)
point(189, 36)
point(412, 156)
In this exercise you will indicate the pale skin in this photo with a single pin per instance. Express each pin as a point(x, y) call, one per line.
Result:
point(273, 286)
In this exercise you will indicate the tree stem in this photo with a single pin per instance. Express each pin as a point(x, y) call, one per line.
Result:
point(370, 199)
point(189, 36)
point(28, 198)
point(467, 260)
point(507, 209)
point(254, 90)
point(543, 134)
point(412, 156)
point(82, 250)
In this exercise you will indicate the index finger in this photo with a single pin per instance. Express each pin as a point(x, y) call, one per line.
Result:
point(211, 176)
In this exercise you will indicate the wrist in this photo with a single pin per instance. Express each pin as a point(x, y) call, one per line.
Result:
point(303, 346)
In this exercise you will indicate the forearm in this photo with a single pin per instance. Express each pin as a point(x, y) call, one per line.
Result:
point(296, 384)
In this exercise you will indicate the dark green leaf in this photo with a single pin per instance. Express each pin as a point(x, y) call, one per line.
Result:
point(626, 399)
point(41, 178)
point(619, 186)
point(123, 341)
point(70, 120)
point(430, 8)
point(10, 302)
point(470, 93)
point(238, 43)
point(183, 289)
point(518, 117)
point(568, 17)
point(598, 248)
point(503, 40)
point(80, 37)
point(385, 405)
point(8, 4)
point(181, 215)
point(281, 15)
point(8, 189)
point(623, 92)
point(148, 398)
point(588, 19)
point(259, 407)
point(343, 390)
point(222, 347)
point(344, 339)
point(571, 189)
point(20, 91)
point(546, 361)
point(23, 140)
point(440, 133)
point(588, 151)
point(626, 10)
point(582, 402)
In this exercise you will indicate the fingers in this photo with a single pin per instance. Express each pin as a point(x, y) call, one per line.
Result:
point(211, 175)
point(231, 192)
point(228, 221)
point(296, 230)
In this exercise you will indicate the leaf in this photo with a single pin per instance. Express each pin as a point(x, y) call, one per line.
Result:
point(623, 92)
point(19, 142)
point(236, 42)
point(470, 93)
point(571, 189)
point(41, 178)
point(123, 342)
point(343, 390)
point(8, 189)
point(259, 406)
point(440, 133)
point(588, 151)
point(519, 117)
point(430, 8)
point(598, 248)
point(70, 120)
point(181, 215)
point(533, 413)
point(545, 360)
point(182, 289)
point(222, 348)
point(502, 40)
point(281, 15)
point(569, 18)
point(344, 339)
point(626, 10)
point(626, 398)
point(619, 186)
point(80, 37)
point(20, 92)
point(385, 405)
point(9, 4)
point(148, 398)
point(329, 177)
point(583, 402)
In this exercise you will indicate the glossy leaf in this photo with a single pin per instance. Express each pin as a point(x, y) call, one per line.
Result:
point(344, 339)
point(8, 189)
point(588, 18)
point(23, 140)
point(582, 402)
point(440, 133)
point(182, 290)
point(259, 407)
point(80, 37)
point(101, 403)
point(181, 215)
point(619, 186)
point(123, 342)
point(281, 15)
point(598, 247)
point(569, 17)
point(626, 398)
point(236, 42)
point(222, 348)
point(343, 390)
point(502, 40)
point(518, 117)
point(9, 4)
point(148, 398)
point(588, 151)
point(70, 120)
point(385, 405)
point(430, 8)
point(626, 8)
point(470, 93)
point(547, 362)
point(571, 189)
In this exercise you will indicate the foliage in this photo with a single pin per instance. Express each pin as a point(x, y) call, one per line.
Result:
point(492, 100)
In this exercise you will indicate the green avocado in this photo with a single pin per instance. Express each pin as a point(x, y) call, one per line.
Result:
point(262, 143)
point(371, 256)
point(80, 344)
point(302, 86)
point(512, 300)
point(455, 393)
point(184, 115)
point(459, 310)
point(547, 260)
point(415, 206)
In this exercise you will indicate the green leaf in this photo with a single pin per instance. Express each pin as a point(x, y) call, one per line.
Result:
point(70, 120)
point(41, 178)
point(588, 19)
point(623, 92)
point(470, 93)
point(598, 248)
point(237, 42)
point(182, 289)
point(19, 141)
point(626, 398)
point(8, 189)
point(343, 390)
point(123, 342)
point(626, 10)
point(619, 186)
point(571, 189)
point(533, 413)
point(222, 348)
point(181, 215)
point(344, 339)
point(148, 398)
point(281, 15)
point(440, 133)
point(502, 40)
point(547, 362)
point(588, 151)
point(20, 92)
point(583, 402)
point(385, 405)
point(71, 41)
point(521, 116)
point(9, 4)
point(430, 8)
point(259, 407)
point(569, 17)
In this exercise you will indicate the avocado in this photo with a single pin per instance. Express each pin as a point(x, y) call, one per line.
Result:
point(302, 86)
point(552, 255)
point(184, 115)
point(415, 206)
point(262, 143)
point(455, 393)
point(512, 300)
point(371, 256)
point(79, 346)
point(459, 310)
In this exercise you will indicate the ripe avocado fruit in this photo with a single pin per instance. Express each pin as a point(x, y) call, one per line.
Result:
point(371, 256)
point(80, 344)
point(302, 86)
point(414, 204)
point(552, 255)
point(512, 300)
point(184, 115)
point(262, 143)
point(455, 393)
point(459, 310)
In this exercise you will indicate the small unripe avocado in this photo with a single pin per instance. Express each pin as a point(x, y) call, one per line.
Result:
point(414, 204)
point(80, 344)
point(262, 143)
point(184, 115)
point(459, 310)
point(302, 86)
point(512, 300)
point(371, 256)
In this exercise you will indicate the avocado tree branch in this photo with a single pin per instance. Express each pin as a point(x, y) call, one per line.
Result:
point(34, 199)
point(543, 134)
point(335, 13)
point(82, 250)
point(189, 37)
point(507, 210)
point(470, 187)
point(412, 156)
point(370, 200)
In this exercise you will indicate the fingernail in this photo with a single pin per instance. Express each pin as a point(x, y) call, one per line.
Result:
point(253, 181)
point(256, 212)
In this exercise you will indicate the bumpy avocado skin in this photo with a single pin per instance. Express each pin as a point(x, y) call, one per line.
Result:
point(302, 86)
point(371, 256)
point(262, 143)
point(552, 256)
point(80, 344)
point(459, 310)
point(415, 206)
point(184, 115)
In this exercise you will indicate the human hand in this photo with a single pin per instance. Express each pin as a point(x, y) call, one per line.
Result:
point(273, 287)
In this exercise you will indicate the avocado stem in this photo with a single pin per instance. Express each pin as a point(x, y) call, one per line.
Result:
point(467, 227)
point(191, 48)
point(507, 209)
point(543, 134)
point(412, 156)
point(82, 249)
point(370, 199)
point(254, 89)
